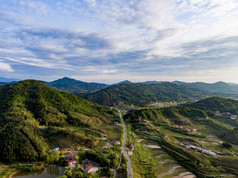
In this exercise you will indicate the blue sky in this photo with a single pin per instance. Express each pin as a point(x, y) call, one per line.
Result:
point(114, 40)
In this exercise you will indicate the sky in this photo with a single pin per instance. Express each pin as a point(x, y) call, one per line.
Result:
point(109, 41)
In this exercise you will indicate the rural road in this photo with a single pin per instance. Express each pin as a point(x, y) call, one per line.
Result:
point(129, 168)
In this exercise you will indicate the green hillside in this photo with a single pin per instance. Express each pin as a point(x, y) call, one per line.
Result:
point(215, 89)
point(232, 136)
point(142, 94)
point(26, 105)
point(217, 104)
point(165, 115)
point(176, 130)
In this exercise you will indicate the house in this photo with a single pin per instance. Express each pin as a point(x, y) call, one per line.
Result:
point(187, 129)
point(108, 145)
point(56, 149)
point(43, 127)
point(116, 142)
point(228, 114)
point(115, 123)
point(233, 117)
point(217, 113)
point(131, 147)
point(72, 163)
point(182, 144)
point(209, 153)
point(88, 169)
point(191, 147)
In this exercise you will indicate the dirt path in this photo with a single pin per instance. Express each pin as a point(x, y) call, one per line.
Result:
point(171, 171)
point(152, 146)
point(185, 175)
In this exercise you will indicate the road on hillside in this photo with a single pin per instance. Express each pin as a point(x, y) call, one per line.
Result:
point(129, 168)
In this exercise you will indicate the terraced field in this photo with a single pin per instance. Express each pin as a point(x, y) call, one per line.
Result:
point(167, 166)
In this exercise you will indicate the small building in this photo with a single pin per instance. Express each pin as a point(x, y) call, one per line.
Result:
point(108, 145)
point(116, 142)
point(72, 163)
point(209, 153)
point(187, 129)
point(191, 147)
point(131, 147)
point(233, 117)
point(217, 113)
point(182, 144)
point(226, 114)
point(43, 127)
point(56, 149)
point(88, 169)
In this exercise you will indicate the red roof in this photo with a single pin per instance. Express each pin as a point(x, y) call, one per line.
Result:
point(71, 161)
point(89, 167)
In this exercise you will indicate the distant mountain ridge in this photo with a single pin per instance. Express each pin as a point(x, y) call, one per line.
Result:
point(83, 89)
point(215, 89)
point(123, 82)
point(3, 79)
point(76, 87)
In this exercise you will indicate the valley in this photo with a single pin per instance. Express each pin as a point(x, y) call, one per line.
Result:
point(41, 126)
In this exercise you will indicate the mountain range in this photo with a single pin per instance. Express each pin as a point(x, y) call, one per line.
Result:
point(76, 87)
point(127, 93)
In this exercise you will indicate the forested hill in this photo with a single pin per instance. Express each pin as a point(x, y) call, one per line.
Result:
point(76, 87)
point(217, 104)
point(215, 89)
point(26, 105)
point(142, 94)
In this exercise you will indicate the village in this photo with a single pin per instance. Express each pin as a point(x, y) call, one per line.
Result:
point(89, 164)
point(201, 150)
point(226, 114)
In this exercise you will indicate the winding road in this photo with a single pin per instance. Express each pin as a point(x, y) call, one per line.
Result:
point(129, 167)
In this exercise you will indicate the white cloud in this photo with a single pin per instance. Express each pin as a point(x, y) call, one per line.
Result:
point(5, 67)
point(148, 34)
point(41, 63)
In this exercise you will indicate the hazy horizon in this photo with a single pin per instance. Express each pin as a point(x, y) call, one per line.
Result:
point(103, 82)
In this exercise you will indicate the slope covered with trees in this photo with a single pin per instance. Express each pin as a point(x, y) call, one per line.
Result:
point(142, 94)
point(215, 89)
point(26, 105)
point(217, 104)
